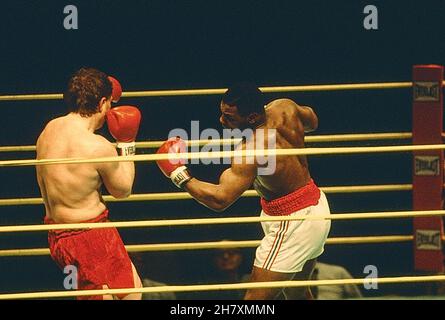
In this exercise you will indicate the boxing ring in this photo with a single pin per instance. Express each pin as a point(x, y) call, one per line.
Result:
point(427, 189)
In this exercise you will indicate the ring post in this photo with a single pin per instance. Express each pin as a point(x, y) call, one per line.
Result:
point(428, 166)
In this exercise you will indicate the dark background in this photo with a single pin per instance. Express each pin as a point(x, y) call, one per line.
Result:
point(210, 44)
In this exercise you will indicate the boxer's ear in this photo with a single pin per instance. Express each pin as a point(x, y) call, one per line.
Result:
point(253, 118)
point(102, 105)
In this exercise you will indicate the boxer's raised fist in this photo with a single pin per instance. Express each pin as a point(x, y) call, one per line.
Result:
point(123, 124)
point(174, 168)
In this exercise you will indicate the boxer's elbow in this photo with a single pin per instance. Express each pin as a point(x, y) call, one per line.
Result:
point(121, 194)
point(118, 184)
point(121, 191)
point(309, 119)
point(219, 207)
point(220, 203)
point(311, 123)
point(212, 196)
point(311, 126)
point(213, 201)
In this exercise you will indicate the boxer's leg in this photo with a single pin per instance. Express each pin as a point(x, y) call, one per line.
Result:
point(137, 284)
point(259, 275)
point(302, 293)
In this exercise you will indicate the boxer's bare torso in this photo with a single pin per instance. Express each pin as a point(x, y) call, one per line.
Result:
point(291, 172)
point(71, 192)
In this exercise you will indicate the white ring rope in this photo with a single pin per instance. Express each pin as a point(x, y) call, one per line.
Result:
point(308, 139)
point(223, 286)
point(163, 196)
point(213, 221)
point(227, 154)
point(216, 245)
point(196, 92)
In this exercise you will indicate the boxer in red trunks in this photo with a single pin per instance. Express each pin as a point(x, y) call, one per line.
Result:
point(289, 248)
point(71, 192)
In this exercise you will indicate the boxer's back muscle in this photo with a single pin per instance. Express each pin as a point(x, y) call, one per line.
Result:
point(291, 172)
point(71, 191)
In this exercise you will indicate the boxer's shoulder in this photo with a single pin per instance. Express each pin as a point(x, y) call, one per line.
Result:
point(279, 104)
point(281, 107)
point(51, 125)
point(281, 111)
point(52, 131)
point(101, 146)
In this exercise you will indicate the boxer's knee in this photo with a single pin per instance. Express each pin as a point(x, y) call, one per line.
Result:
point(299, 293)
point(263, 294)
point(107, 296)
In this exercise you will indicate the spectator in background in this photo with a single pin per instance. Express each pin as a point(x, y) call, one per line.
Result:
point(227, 264)
point(325, 271)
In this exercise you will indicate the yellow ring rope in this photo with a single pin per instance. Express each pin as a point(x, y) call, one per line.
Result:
point(307, 139)
point(227, 154)
point(224, 286)
point(155, 144)
point(197, 92)
point(162, 196)
point(213, 221)
point(348, 137)
point(215, 245)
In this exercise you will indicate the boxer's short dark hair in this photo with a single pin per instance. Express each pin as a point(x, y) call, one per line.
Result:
point(85, 89)
point(246, 97)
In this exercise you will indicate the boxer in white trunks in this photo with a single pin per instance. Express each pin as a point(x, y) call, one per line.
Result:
point(289, 248)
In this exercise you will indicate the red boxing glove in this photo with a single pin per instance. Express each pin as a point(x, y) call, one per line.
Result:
point(174, 168)
point(123, 124)
point(117, 89)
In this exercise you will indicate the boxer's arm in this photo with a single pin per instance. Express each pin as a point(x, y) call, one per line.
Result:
point(308, 118)
point(117, 177)
point(306, 115)
point(232, 183)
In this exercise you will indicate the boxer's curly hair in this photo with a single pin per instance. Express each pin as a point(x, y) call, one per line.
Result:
point(85, 89)
point(246, 97)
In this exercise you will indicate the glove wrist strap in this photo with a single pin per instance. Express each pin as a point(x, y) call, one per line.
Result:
point(180, 176)
point(126, 148)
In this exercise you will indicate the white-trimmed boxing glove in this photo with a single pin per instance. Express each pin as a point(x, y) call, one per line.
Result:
point(123, 123)
point(174, 168)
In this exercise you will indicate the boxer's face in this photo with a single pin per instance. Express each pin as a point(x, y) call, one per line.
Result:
point(230, 117)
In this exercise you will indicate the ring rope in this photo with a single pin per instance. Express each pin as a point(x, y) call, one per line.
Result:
point(197, 92)
point(213, 221)
point(215, 245)
point(223, 286)
point(162, 196)
point(308, 139)
point(219, 287)
point(226, 154)
point(348, 137)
